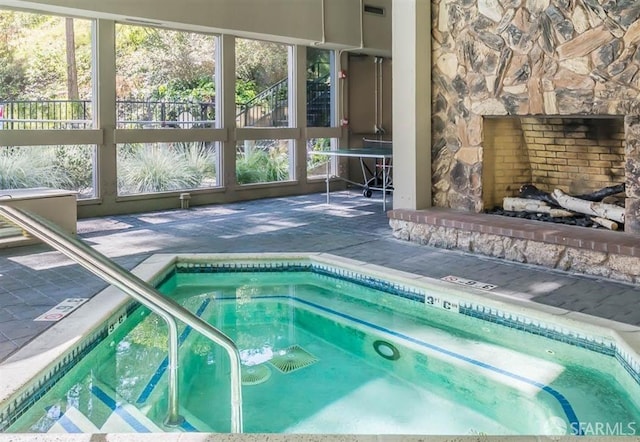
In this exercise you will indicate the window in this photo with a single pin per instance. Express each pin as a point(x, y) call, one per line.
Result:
point(46, 72)
point(164, 167)
point(317, 164)
point(262, 84)
point(264, 161)
point(69, 167)
point(164, 78)
point(320, 88)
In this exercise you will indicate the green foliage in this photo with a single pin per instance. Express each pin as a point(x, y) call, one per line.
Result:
point(245, 91)
point(153, 169)
point(318, 62)
point(201, 162)
point(199, 90)
point(33, 49)
point(149, 168)
point(260, 166)
point(164, 64)
point(13, 76)
point(22, 167)
point(151, 63)
point(77, 164)
point(261, 62)
point(317, 145)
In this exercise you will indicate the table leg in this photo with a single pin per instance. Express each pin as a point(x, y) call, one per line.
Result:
point(327, 178)
point(384, 184)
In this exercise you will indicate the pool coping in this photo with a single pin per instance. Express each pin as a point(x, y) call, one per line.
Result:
point(29, 368)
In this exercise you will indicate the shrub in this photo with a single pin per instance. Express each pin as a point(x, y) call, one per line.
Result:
point(76, 162)
point(153, 169)
point(201, 161)
point(22, 167)
point(145, 169)
point(260, 166)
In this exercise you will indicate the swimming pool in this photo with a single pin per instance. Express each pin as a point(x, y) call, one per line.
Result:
point(330, 345)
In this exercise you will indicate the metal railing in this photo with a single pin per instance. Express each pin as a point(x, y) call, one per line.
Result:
point(267, 109)
point(144, 293)
point(318, 103)
point(131, 114)
point(45, 114)
point(176, 114)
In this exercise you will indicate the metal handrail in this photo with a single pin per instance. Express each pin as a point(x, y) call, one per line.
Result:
point(144, 293)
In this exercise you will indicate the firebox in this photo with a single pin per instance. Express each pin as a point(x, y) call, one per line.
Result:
point(577, 155)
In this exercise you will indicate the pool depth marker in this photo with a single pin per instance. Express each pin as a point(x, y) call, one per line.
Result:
point(61, 310)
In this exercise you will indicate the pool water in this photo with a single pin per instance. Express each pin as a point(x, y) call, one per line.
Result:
point(323, 355)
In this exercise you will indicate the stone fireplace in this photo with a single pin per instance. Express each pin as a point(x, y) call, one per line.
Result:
point(545, 91)
point(577, 155)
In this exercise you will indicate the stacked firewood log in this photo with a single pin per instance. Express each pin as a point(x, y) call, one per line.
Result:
point(600, 206)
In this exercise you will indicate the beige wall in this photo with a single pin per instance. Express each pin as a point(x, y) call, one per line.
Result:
point(331, 23)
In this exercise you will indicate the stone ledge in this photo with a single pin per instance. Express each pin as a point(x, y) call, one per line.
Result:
point(585, 250)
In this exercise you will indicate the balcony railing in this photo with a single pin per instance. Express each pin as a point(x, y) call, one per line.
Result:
point(158, 114)
point(50, 114)
point(268, 109)
point(78, 114)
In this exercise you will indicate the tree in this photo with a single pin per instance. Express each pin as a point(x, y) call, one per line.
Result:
point(13, 76)
point(72, 69)
point(261, 62)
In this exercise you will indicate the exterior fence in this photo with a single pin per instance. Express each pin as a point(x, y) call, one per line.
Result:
point(50, 114)
point(267, 109)
point(78, 114)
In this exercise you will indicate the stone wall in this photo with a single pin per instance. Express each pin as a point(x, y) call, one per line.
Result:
point(528, 57)
point(600, 263)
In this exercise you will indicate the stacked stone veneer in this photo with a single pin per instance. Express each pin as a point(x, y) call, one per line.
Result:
point(600, 253)
point(576, 155)
point(529, 58)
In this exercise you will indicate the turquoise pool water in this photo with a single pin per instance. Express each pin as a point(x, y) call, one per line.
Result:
point(324, 355)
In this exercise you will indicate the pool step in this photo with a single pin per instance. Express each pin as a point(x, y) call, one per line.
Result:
point(128, 419)
point(124, 418)
point(73, 421)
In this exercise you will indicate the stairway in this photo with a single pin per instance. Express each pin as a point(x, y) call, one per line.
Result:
point(124, 417)
point(270, 107)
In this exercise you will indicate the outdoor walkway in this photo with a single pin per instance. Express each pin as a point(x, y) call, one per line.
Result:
point(34, 279)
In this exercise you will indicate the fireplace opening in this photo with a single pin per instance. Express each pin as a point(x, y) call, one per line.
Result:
point(577, 155)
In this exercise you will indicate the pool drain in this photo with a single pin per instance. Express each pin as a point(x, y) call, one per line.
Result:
point(255, 374)
point(292, 358)
point(387, 350)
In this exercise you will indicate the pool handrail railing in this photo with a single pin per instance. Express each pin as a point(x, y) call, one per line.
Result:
point(145, 294)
